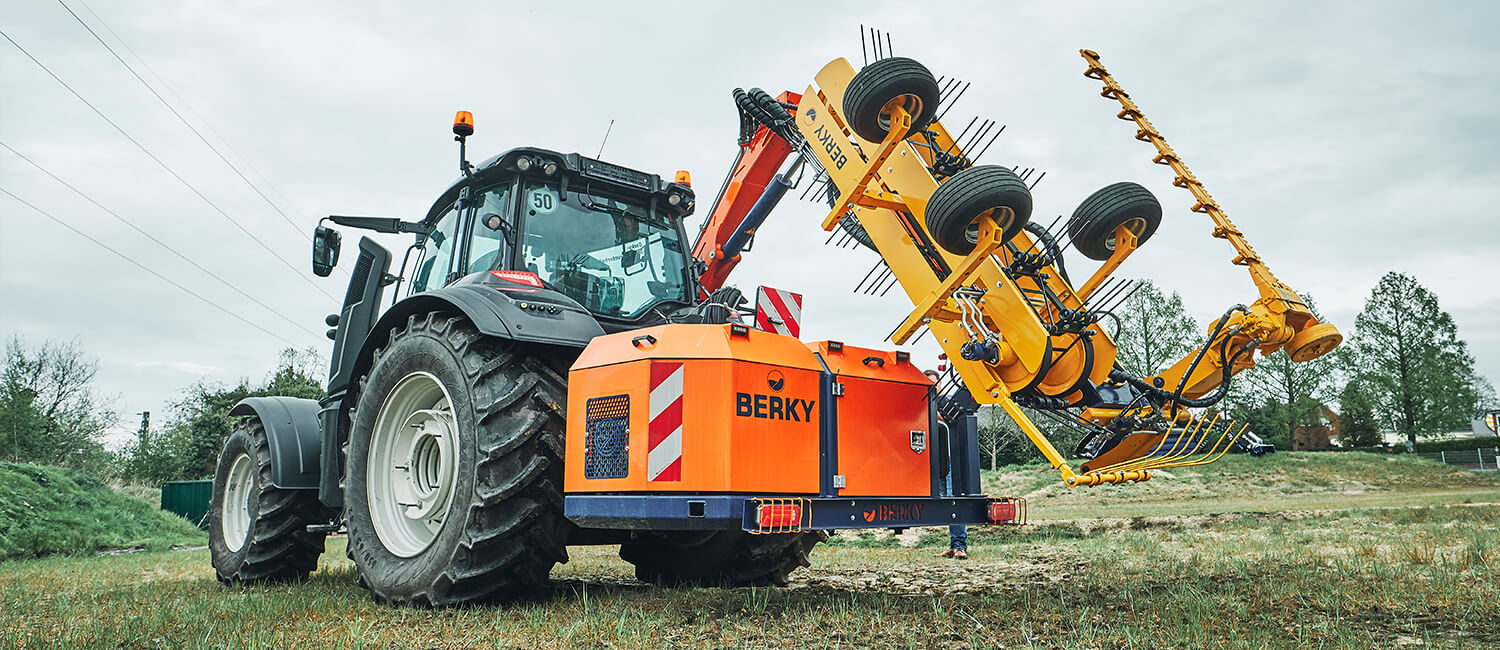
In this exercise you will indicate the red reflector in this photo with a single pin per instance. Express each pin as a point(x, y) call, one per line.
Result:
point(519, 277)
point(1002, 511)
point(780, 515)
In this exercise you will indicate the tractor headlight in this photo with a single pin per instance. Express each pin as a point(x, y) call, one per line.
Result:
point(674, 199)
point(549, 168)
point(523, 164)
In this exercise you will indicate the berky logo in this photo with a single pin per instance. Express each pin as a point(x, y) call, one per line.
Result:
point(812, 115)
point(776, 380)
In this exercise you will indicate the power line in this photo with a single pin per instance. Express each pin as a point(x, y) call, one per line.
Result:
point(145, 268)
point(179, 116)
point(168, 169)
point(159, 242)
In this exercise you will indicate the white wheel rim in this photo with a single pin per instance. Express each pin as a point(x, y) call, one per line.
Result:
point(234, 523)
point(411, 471)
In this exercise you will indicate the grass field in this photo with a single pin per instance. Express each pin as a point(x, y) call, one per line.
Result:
point(1245, 557)
point(50, 510)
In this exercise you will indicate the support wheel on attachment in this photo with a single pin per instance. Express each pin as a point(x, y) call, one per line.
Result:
point(954, 210)
point(895, 79)
point(257, 531)
point(721, 558)
point(453, 479)
point(1313, 342)
point(1092, 226)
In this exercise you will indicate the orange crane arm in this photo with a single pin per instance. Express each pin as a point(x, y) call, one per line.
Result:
point(757, 164)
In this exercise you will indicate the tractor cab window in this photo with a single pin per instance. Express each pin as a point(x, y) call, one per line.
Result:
point(492, 224)
point(607, 252)
point(437, 253)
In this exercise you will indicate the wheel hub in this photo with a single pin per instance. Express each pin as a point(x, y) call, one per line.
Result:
point(411, 471)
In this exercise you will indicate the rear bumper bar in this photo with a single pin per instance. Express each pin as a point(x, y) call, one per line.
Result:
point(744, 512)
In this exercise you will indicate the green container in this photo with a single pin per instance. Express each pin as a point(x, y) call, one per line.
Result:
point(188, 499)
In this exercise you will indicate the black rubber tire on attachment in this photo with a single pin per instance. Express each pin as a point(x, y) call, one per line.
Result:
point(722, 558)
point(956, 206)
point(277, 545)
point(504, 529)
point(1093, 224)
point(880, 82)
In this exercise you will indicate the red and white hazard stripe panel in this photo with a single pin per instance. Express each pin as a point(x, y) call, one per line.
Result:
point(664, 433)
point(778, 311)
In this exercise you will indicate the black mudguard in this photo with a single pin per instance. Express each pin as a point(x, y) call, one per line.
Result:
point(549, 318)
point(295, 437)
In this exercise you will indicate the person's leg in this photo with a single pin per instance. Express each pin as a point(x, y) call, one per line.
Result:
point(958, 540)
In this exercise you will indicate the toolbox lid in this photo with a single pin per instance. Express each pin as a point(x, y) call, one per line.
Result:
point(850, 361)
point(678, 342)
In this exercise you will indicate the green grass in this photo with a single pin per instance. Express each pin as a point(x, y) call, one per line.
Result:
point(1278, 577)
point(50, 510)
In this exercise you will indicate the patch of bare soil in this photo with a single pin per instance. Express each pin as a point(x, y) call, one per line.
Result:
point(1045, 567)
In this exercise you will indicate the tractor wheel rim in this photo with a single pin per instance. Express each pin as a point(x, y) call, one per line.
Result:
point(412, 468)
point(912, 104)
point(1136, 226)
point(234, 522)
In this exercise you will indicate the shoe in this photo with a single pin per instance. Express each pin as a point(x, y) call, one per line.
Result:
point(959, 554)
point(947, 553)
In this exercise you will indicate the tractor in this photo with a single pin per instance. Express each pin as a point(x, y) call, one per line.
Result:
point(559, 365)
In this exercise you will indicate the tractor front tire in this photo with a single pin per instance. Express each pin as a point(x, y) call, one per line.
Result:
point(723, 558)
point(884, 81)
point(258, 532)
point(1092, 226)
point(453, 480)
point(956, 206)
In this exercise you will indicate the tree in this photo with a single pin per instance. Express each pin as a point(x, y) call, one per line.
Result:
point(49, 412)
point(1419, 371)
point(189, 445)
point(1357, 424)
point(1155, 331)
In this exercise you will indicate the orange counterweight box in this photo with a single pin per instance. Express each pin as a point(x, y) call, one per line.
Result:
point(725, 408)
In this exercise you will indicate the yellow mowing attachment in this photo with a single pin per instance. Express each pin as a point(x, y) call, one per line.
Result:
point(1185, 444)
point(1205, 204)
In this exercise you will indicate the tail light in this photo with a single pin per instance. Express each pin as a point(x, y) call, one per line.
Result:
point(780, 515)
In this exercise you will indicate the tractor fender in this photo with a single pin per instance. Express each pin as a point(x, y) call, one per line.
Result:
point(294, 435)
point(494, 313)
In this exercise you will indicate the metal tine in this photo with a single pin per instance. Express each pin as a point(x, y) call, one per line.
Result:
point(1024, 172)
point(875, 40)
point(961, 134)
point(1104, 286)
point(1038, 180)
point(1151, 458)
point(879, 280)
point(868, 274)
point(830, 238)
point(1113, 300)
point(954, 101)
point(945, 87)
point(894, 282)
point(890, 276)
point(983, 131)
point(987, 144)
point(1134, 287)
point(1115, 285)
point(816, 181)
point(862, 50)
point(888, 51)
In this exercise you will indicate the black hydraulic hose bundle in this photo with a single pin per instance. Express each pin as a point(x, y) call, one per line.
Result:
point(1225, 359)
point(1050, 245)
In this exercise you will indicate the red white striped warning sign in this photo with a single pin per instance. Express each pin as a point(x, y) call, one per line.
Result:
point(664, 433)
point(778, 311)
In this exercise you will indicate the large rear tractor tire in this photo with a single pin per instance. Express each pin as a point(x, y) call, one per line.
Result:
point(956, 206)
point(258, 532)
point(723, 558)
point(880, 83)
point(453, 479)
point(1092, 226)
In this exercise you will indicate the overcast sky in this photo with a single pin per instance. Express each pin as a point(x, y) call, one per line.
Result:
point(1345, 139)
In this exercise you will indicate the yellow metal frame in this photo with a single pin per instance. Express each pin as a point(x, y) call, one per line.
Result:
point(886, 186)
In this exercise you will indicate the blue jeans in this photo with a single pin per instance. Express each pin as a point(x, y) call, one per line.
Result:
point(958, 534)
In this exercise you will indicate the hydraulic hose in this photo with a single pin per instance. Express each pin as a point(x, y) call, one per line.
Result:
point(1050, 245)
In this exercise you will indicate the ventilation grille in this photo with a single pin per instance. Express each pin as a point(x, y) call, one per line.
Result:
point(361, 275)
point(606, 452)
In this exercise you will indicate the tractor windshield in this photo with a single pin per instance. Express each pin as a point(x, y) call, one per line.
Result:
point(608, 253)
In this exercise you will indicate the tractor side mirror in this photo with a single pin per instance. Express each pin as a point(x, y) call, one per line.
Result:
point(325, 252)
